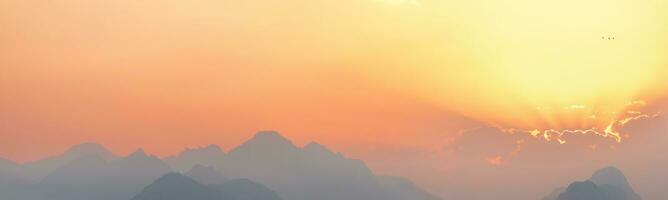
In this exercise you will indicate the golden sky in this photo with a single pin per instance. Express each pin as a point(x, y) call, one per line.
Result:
point(170, 74)
point(413, 87)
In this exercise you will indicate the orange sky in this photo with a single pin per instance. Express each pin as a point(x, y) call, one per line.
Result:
point(370, 78)
point(393, 82)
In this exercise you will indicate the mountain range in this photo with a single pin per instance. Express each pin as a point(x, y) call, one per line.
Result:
point(266, 167)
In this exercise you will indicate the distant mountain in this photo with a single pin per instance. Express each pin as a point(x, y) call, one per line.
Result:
point(301, 174)
point(210, 155)
point(403, 189)
point(206, 175)
point(605, 184)
point(174, 186)
point(37, 170)
point(93, 177)
point(7, 164)
point(8, 172)
point(266, 167)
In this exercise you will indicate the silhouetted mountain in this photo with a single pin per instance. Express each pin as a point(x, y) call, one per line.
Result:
point(210, 155)
point(37, 170)
point(267, 144)
point(87, 149)
point(8, 172)
point(301, 174)
point(7, 164)
point(244, 189)
point(267, 166)
point(612, 178)
point(317, 149)
point(81, 172)
point(403, 189)
point(206, 175)
point(605, 184)
point(585, 190)
point(174, 186)
point(92, 177)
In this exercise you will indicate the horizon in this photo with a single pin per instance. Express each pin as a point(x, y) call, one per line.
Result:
point(469, 100)
point(184, 149)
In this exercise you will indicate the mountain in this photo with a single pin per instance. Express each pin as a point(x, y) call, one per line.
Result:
point(605, 184)
point(93, 177)
point(8, 172)
point(611, 177)
point(399, 188)
point(585, 190)
point(7, 164)
point(244, 189)
point(87, 149)
point(210, 155)
point(174, 186)
point(266, 167)
point(269, 146)
point(297, 173)
point(37, 170)
point(206, 175)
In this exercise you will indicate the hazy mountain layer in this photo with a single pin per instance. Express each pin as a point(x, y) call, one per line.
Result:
point(268, 166)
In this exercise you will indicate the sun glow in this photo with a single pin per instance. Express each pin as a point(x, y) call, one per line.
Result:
point(536, 67)
point(547, 69)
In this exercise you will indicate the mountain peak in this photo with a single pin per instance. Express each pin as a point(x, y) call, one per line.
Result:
point(87, 149)
point(606, 183)
point(585, 190)
point(614, 177)
point(317, 148)
point(139, 153)
point(173, 176)
point(266, 141)
point(268, 135)
point(610, 176)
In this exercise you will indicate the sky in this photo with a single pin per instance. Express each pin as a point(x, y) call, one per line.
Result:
point(412, 87)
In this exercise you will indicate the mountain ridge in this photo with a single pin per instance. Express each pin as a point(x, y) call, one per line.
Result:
point(296, 173)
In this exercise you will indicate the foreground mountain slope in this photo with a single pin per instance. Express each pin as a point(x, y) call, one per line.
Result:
point(244, 189)
point(403, 189)
point(175, 186)
point(8, 172)
point(585, 190)
point(206, 175)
